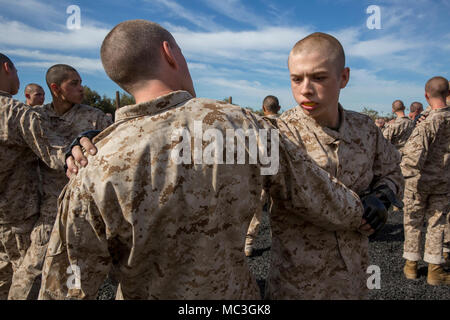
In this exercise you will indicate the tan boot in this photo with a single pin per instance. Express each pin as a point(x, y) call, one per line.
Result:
point(410, 269)
point(437, 275)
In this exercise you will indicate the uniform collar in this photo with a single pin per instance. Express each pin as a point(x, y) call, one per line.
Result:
point(324, 134)
point(447, 108)
point(5, 94)
point(68, 116)
point(154, 106)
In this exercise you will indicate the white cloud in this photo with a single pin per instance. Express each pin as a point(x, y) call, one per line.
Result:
point(18, 34)
point(46, 60)
point(236, 10)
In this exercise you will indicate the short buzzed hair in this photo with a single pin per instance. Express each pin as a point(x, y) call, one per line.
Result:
point(131, 51)
point(58, 73)
point(271, 104)
point(415, 106)
point(319, 40)
point(4, 58)
point(437, 87)
point(31, 87)
point(398, 105)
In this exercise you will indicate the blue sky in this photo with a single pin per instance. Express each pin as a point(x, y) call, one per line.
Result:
point(239, 48)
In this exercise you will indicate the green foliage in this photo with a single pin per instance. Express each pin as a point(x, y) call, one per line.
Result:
point(373, 114)
point(107, 105)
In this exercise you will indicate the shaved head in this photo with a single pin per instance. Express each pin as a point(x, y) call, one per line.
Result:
point(58, 73)
point(416, 107)
point(271, 104)
point(324, 43)
point(131, 52)
point(32, 87)
point(437, 87)
point(4, 59)
point(397, 106)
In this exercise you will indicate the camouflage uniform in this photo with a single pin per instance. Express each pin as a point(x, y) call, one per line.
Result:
point(427, 174)
point(176, 231)
point(324, 261)
point(22, 137)
point(398, 132)
point(266, 204)
point(78, 119)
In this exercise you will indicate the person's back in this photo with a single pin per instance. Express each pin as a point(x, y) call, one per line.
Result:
point(176, 230)
point(400, 129)
point(434, 176)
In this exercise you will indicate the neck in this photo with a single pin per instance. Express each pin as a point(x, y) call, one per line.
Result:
point(5, 87)
point(400, 114)
point(437, 104)
point(151, 90)
point(61, 107)
point(332, 121)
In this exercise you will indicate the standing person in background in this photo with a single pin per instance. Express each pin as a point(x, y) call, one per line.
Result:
point(34, 95)
point(380, 123)
point(400, 129)
point(270, 107)
point(68, 118)
point(415, 110)
point(426, 168)
point(23, 137)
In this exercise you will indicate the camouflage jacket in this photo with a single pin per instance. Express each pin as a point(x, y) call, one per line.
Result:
point(425, 164)
point(172, 229)
point(398, 132)
point(321, 261)
point(66, 127)
point(24, 135)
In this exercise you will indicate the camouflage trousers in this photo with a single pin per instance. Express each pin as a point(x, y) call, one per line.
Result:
point(14, 242)
point(421, 208)
point(253, 228)
point(27, 279)
point(447, 234)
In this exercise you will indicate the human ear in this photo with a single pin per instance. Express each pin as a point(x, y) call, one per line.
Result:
point(169, 54)
point(345, 77)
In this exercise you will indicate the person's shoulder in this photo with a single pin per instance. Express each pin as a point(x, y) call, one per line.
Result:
point(218, 108)
point(359, 119)
point(90, 109)
point(288, 113)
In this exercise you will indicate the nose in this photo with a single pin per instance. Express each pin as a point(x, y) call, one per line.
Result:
point(307, 88)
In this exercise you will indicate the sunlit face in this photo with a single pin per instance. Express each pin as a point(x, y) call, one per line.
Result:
point(36, 98)
point(71, 89)
point(316, 85)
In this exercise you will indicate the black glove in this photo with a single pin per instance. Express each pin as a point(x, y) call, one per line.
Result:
point(375, 212)
point(387, 196)
point(88, 134)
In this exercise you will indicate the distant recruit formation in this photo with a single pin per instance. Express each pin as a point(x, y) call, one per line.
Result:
point(84, 198)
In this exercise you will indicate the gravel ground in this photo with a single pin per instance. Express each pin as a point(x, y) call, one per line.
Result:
point(385, 251)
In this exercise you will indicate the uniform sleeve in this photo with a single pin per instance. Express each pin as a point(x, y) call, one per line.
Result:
point(78, 258)
point(388, 132)
point(303, 188)
point(386, 166)
point(415, 154)
point(30, 129)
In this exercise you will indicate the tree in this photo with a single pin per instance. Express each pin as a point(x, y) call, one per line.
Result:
point(93, 99)
point(371, 113)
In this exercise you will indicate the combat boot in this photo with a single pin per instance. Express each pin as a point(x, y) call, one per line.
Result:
point(410, 269)
point(437, 275)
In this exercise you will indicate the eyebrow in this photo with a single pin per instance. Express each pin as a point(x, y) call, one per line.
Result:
point(314, 73)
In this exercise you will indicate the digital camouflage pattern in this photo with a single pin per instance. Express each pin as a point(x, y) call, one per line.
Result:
point(329, 261)
point(66, 127)
point(176, 231)
point(399, 131)
point(23, 137)
point(426, 168)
